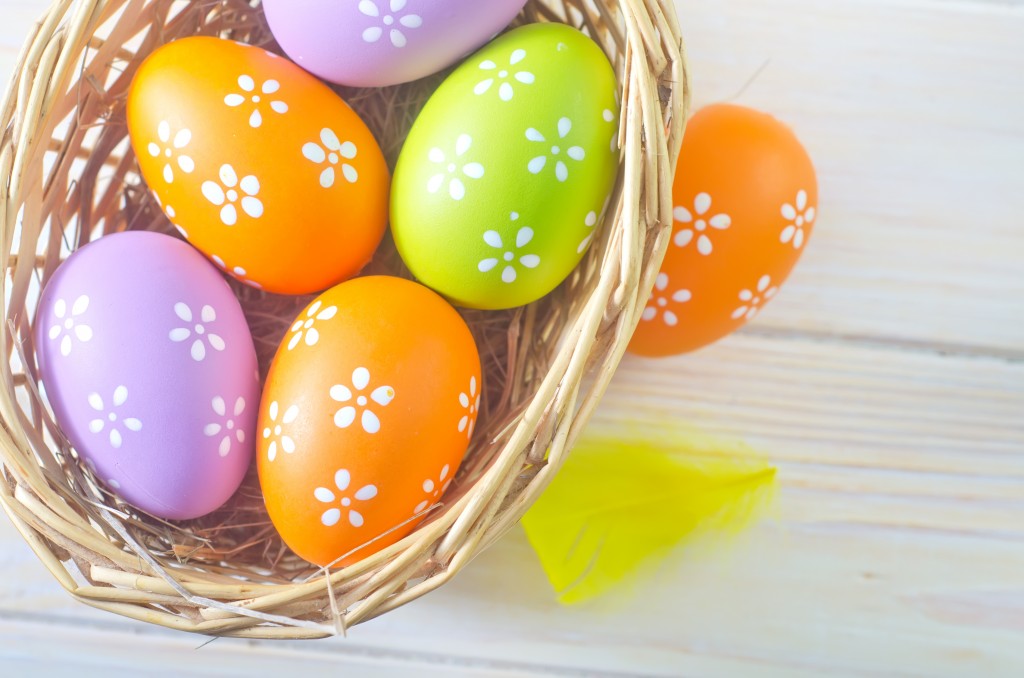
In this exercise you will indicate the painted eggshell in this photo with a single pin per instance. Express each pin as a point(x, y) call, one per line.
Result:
point(746, 200)
point(369, 408)
point(260, 165)
point(504, 176)
point(150, 368)
point(375, 43)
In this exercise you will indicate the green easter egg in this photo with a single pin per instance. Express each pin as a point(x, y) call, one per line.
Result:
point(506, 172)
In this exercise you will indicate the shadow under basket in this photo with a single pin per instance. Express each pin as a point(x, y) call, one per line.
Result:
point(69, 177)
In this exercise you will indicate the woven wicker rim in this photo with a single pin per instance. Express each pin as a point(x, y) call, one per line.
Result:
point(69, 177)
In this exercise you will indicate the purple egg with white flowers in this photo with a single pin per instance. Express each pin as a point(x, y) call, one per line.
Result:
point(150, 368)
point(376, 43)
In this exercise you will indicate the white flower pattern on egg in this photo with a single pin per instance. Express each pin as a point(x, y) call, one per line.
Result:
point(509, 254)
point(227, 424)
point(276, 432)
point(555, 151)
point(306, 327)
point(609, 117)
point(109, 420)
point(392, 20)
point(661, 301)
point(697, 223)
point(590, 222)
point(450, 169)
point(200, 330)
point(342, 481)
point(69, 326)
point(506, 76)
point(170, 148)
point(434, 490)
point(754, 300)
point(237, 272)
point(332, 152)
point(360, 401)
point(168, 211)
point(226, 195)
point(799, 217)
point(249, 93)
point(470, 402)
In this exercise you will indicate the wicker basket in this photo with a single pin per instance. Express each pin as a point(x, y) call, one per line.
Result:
point(70, 177)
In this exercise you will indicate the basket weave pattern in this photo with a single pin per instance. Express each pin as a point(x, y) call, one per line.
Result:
point(69, 177)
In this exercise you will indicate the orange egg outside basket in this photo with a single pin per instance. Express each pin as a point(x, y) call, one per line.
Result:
point(71, 177)
point(746, 194)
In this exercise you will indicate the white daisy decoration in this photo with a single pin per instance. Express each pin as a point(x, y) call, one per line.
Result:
point(357, 400)
point(506, 76)
point(609, 116)
point(470, 402)
point(344, 498)
point(227, 426)
point(664, 302)
point(697, 222)
point(334, 154)
point(171, 148)
point(305, 328)
point(112, 421)
point(453, 169)
point(434, 489)
point(237, 272)
point(558, 153)
point(509, 254)
point(754, 300)
point(390, 17)
point(169, 211)
point(276, 430)
point(799, 217)
point(198, 329)
point(590, 222)
point(230, 193)
point(257, 98)
point(69, 326)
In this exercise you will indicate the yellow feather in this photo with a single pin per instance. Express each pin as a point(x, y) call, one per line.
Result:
point(618, 507)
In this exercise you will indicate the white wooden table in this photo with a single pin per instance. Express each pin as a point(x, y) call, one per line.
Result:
point(887, 382)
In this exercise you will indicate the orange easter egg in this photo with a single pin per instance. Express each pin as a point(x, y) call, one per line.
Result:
point(745, 197)
point(369, 407)
point(258, 164)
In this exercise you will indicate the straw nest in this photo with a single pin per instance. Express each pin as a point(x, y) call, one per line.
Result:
point(69, 177)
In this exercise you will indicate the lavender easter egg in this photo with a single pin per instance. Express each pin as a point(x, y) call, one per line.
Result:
point(375, 43)
point(150, 369)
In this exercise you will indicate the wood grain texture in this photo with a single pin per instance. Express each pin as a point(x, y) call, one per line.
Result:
point(887, 382)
